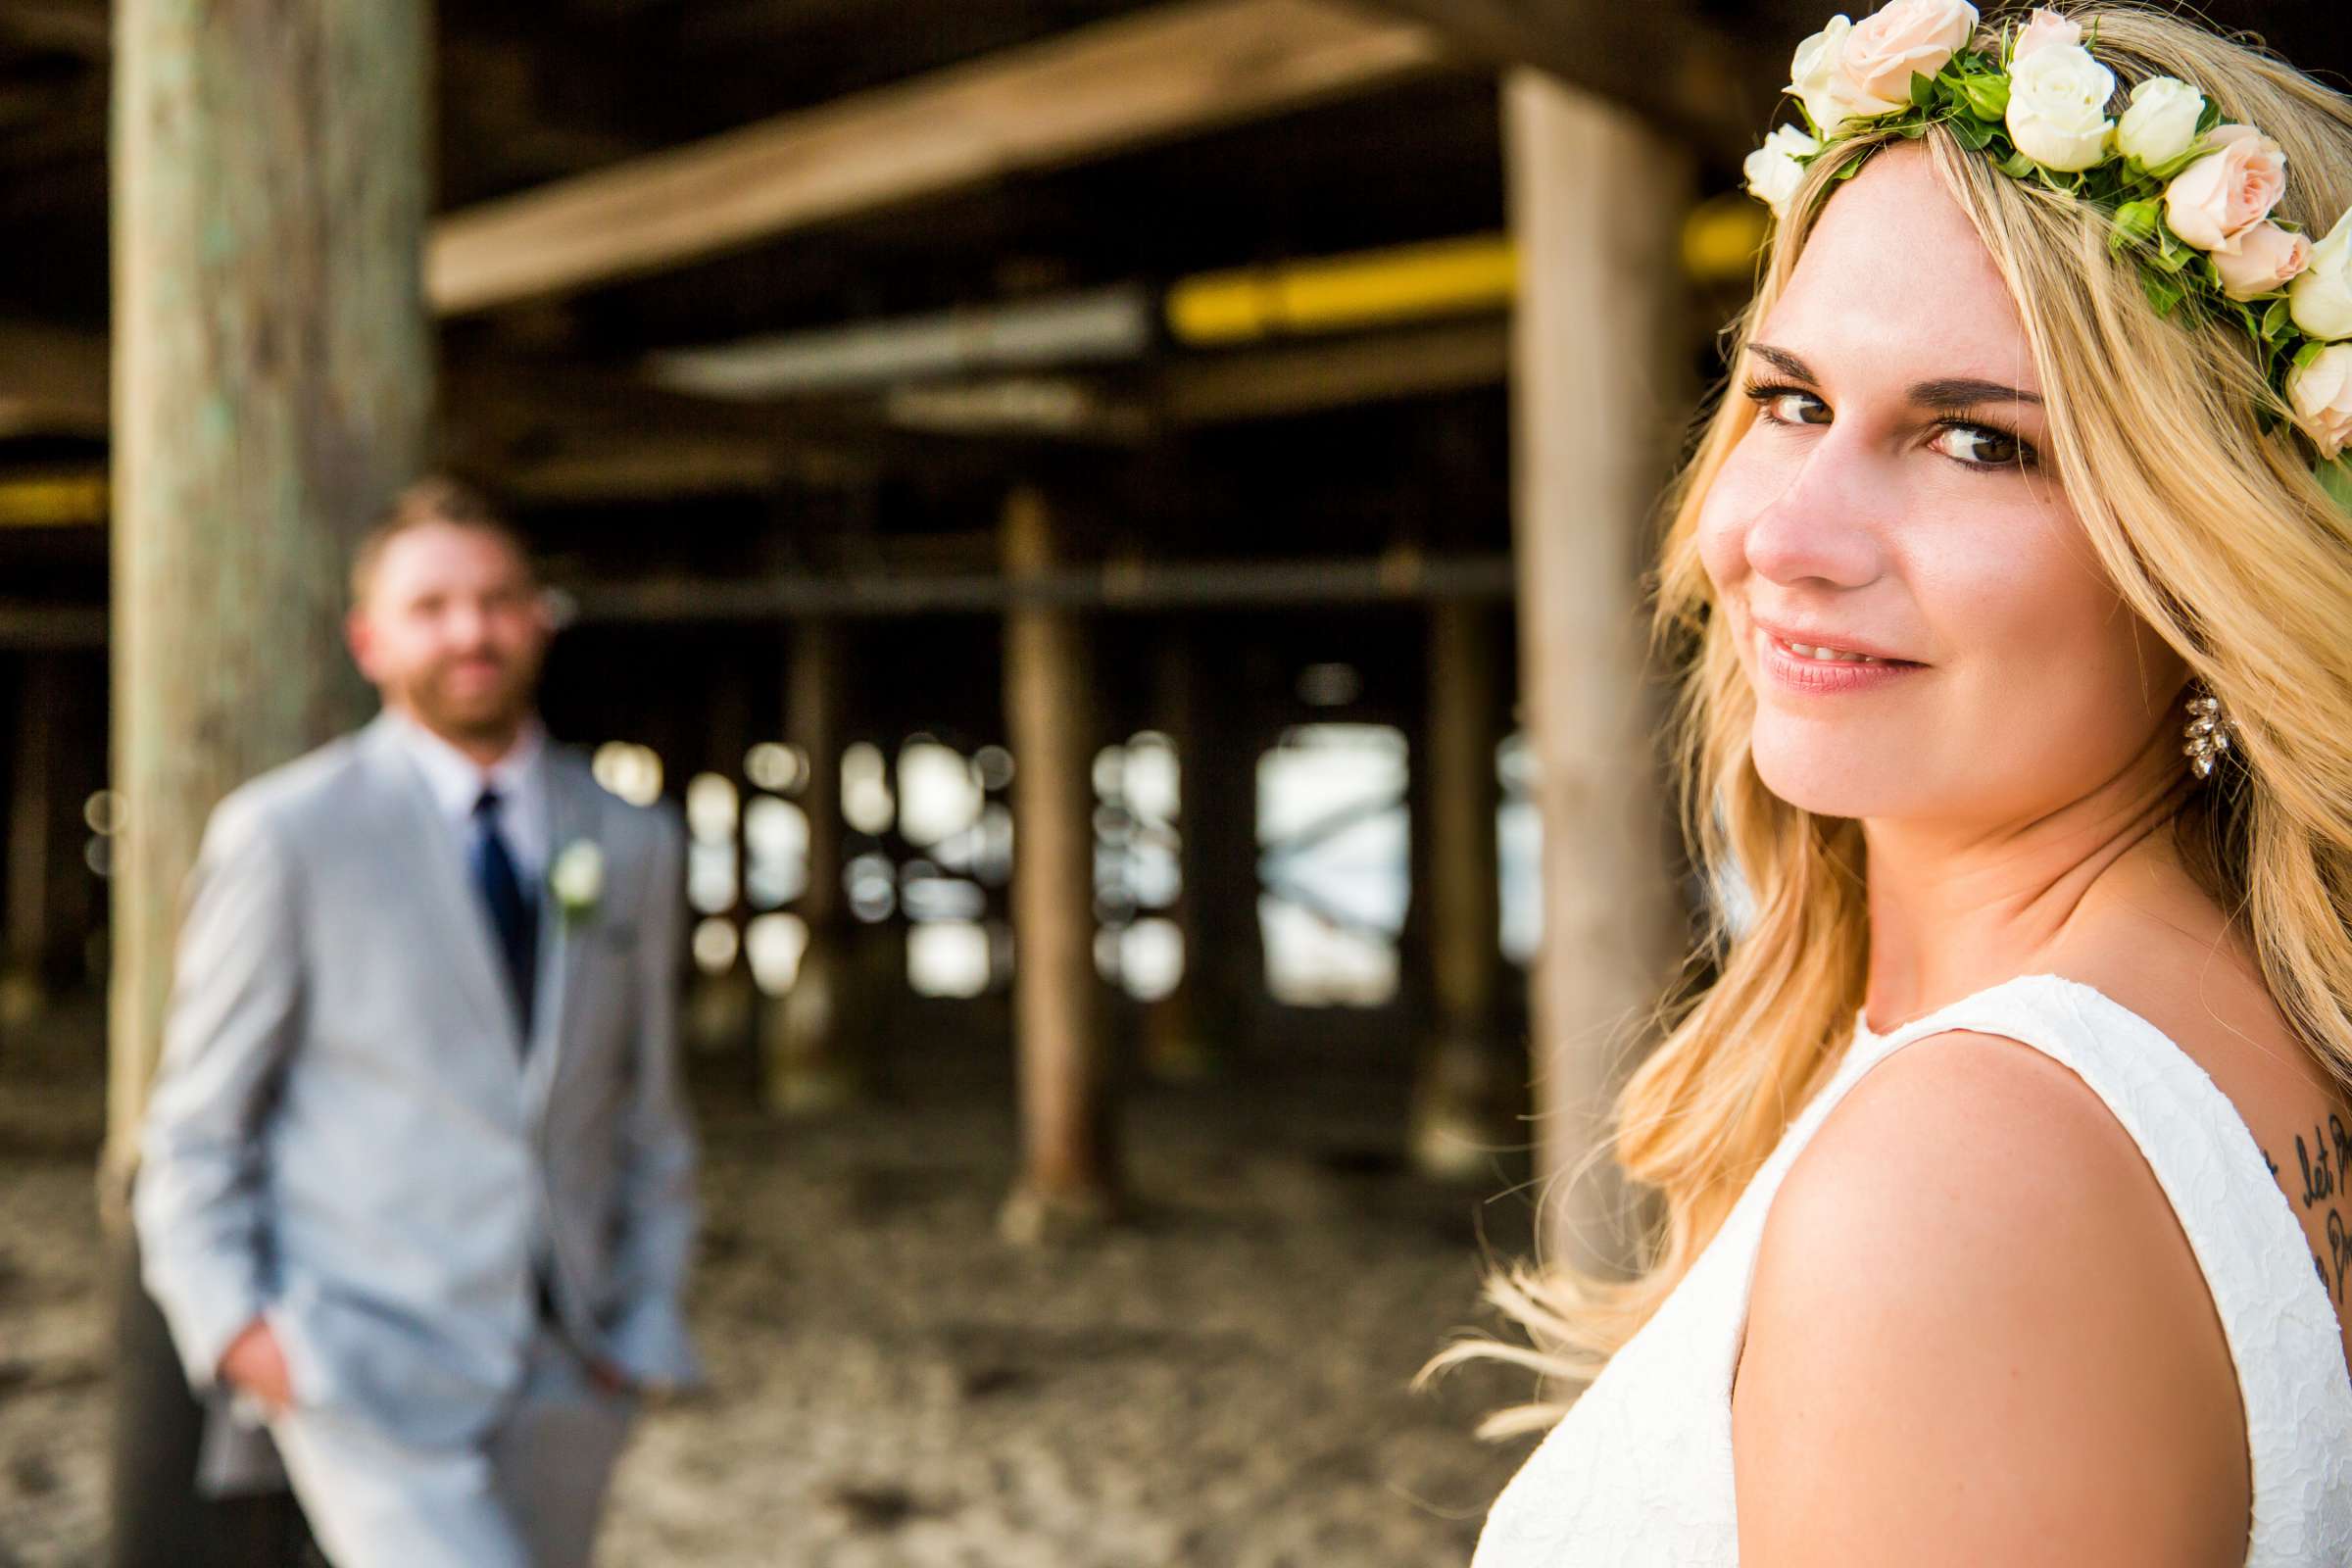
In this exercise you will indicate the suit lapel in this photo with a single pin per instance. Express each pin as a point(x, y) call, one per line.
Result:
point(571, 817)
point(454, 913)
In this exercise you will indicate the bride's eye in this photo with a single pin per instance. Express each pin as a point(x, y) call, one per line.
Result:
point(1981, 446)
point(1788, 405)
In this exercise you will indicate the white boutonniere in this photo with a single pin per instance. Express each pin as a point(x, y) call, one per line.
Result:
point(576, 880)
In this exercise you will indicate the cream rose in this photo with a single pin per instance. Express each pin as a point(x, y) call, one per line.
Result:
point(1813, 78)
point(2266, 258)
point(2321, 394)
point(2321, 299)
point(1773, 170)
point(1890, 45)
point(2045, 30)
point(2161, 121)
point(2058, 107)
point(2221, 195)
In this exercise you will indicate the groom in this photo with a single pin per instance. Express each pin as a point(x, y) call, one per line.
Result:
point(417, 1187)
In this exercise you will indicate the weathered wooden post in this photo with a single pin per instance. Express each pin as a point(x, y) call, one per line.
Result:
point(1466, 1081)
point(1596, 200)
point(1181, 1043)
point(1069, 1173)
point(273, 385)
point(47, 895)
point(807, 1057)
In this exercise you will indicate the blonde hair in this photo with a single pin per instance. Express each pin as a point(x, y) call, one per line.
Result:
point(2213, 530)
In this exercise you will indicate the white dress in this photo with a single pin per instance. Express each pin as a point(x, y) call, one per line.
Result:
point(1640, 1472)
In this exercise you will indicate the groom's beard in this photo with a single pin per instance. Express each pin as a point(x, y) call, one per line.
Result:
point(474, 708)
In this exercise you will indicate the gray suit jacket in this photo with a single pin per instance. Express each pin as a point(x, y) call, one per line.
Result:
point(345, 1131)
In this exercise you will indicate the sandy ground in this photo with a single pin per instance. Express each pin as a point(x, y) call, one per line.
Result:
point(1221, 1382)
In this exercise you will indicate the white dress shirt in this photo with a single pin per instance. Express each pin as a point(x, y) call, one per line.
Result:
point(457, 782)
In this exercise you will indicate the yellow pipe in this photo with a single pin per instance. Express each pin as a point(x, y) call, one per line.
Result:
point(1370, 288)
point(54, 501)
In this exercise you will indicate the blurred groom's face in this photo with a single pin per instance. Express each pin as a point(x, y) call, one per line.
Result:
point(453, 630)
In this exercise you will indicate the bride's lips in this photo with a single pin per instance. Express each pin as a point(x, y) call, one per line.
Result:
point(1793, 672)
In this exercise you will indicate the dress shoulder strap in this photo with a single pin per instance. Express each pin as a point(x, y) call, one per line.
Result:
point(2275, 1313)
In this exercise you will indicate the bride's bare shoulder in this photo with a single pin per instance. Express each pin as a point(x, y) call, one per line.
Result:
point(1977, 1333)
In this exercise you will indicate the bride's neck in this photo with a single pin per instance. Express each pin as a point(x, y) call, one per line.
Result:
point(1956, 907)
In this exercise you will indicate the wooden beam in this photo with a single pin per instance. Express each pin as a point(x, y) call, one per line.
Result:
point(1305, 378)
point(69, 27)
point(1097, 90)
point(1130, 586)
point(53, 380)
point(1660, 59)
point(54, 500)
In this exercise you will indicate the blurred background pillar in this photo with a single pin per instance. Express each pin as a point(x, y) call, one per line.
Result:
point(809, 1041)
point(49, 882)
point(272, 387)
point(1069, 1160)
point(1596, 202)
point(1466, 1078)
point(1181, 1040)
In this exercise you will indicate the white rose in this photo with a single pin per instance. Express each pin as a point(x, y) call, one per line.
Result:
point(1773, 170)
point(1813, 78)
point(2321, 394)
point(577, 878)
point(2058, 107)
point(2321, 299)
point(2161, 121)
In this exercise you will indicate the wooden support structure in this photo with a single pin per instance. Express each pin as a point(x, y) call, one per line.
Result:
point(1070, 1162)
point(1181, 1038)
point(1466, 1083)
point(52, 380)
point(1672, 62)
point(1095, 90)
point(1595, 200)
point(58, 760)
point(809, 1041)
point(271, 385)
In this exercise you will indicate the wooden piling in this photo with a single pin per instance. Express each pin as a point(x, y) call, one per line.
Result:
point(808, 1050)
point(1595, 201)
point(1069, 1175)
point(1464, 1090)
point(272, 383)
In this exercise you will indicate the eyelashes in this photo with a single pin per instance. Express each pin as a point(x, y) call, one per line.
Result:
point(2021, 454)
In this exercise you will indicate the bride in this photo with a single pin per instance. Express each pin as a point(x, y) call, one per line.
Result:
point(2001, 1165)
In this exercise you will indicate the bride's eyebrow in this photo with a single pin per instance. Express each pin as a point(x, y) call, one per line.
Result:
point(1946, 392)
point(1787, 363)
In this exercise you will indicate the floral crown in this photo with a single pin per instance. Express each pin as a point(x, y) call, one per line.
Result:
point(2189, 197)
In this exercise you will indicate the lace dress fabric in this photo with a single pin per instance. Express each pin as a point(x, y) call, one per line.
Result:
point(1640, 1472)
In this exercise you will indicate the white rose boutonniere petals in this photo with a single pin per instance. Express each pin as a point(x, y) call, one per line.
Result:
point(1773, 169)
point(2058, 107)
point(2321, 296)
point(576, 880)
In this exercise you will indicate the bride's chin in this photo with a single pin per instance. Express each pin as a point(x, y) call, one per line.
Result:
point(1827, 781)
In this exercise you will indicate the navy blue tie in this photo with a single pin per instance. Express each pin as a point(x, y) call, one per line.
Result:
point(513, 913)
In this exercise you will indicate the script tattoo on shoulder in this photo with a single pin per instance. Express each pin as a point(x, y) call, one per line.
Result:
point(2322, 1165)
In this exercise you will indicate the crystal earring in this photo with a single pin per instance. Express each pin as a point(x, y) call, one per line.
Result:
point(2210, 731)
